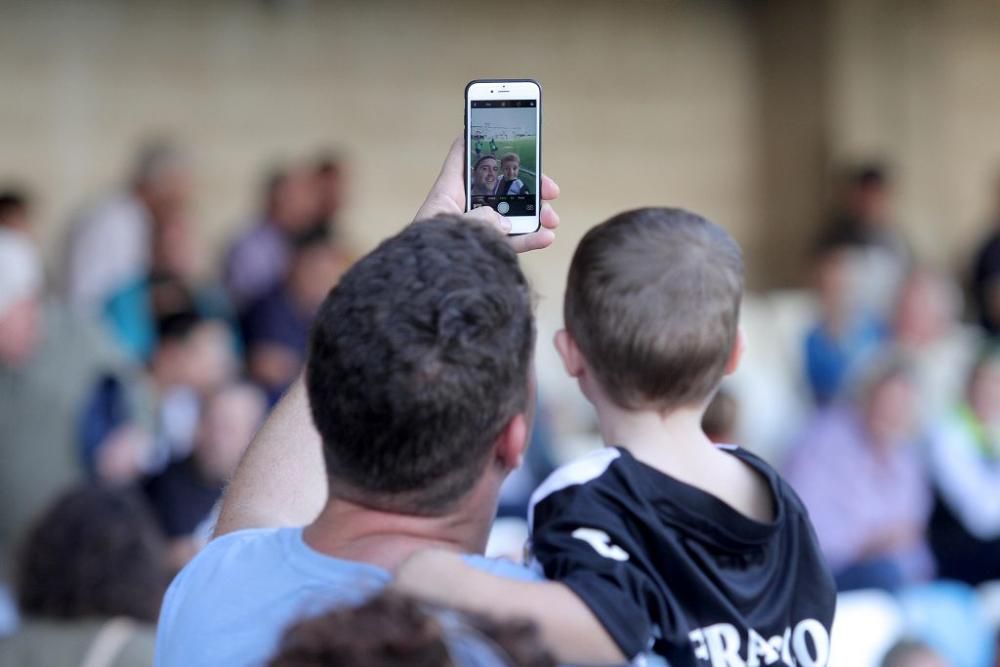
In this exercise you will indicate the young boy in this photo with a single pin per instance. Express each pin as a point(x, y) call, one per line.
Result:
point(661, 546)
point(510, 166)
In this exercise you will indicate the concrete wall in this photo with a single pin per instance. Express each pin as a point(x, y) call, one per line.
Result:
point(645, 103)
point(736, 109)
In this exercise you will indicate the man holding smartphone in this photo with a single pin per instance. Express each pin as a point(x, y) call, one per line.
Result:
point(372, 490)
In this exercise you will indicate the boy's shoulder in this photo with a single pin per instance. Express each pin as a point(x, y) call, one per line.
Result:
point(580, 471)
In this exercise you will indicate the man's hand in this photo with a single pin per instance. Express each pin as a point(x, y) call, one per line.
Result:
point(447, 197)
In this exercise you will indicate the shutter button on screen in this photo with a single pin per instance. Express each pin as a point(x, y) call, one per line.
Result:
point(503, 207)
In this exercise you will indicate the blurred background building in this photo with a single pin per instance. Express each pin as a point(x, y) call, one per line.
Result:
point(195, 175)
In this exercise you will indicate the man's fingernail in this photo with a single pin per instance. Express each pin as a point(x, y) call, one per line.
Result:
point(505, 224)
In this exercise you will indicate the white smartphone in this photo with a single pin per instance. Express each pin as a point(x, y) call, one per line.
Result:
point(503, 138)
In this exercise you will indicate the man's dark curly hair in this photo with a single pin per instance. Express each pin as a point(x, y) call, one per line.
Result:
point(94, 552)
point(394, 630)
point(419, 357)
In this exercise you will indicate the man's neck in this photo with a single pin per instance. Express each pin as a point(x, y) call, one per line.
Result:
point(354, 532)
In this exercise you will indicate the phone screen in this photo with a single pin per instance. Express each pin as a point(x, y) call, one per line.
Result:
point(502, 150)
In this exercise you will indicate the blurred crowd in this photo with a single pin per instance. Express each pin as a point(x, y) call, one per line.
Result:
point(133, 376)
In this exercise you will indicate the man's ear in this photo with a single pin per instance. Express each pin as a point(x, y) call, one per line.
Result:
point(569, 353)
point(512, 443)
point(736, 354)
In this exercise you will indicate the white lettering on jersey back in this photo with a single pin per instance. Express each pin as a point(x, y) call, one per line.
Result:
point(601, 543)
point(581, 471)
point(720, 645)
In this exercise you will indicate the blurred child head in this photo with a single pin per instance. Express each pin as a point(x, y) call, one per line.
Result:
point(927, 306)
point(20, 292)
point(510, 165)
point(193, 351)
point(910, 653)
point(228, 422)
point(15, 211)
point(652, 310)
point(393, 630)
point(95, 552)
point(316, 267)
point(719, 420)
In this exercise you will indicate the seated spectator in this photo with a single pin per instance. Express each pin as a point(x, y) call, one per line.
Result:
point(258, 259)
point(845, 333)
point(15, 211)
point(863, 221)
point(986, 277)
point(89, 584)
point(117, 229)
point(170, 287)
point(965, 461)
point(857, 470)
point(392, 630)
point(720, 418)
point(926, 329)
point(51, 359)
point(193, 359)
point(330, 176)
point(185, 494)
point(276, 327)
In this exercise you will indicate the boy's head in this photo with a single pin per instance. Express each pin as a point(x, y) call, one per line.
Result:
point(510, 165)
point(652, 306)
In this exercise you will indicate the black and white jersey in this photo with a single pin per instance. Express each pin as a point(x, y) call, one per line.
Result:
point(671, 570)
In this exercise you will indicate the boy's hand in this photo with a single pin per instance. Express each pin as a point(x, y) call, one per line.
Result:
point(426, 575)
point(447, 196)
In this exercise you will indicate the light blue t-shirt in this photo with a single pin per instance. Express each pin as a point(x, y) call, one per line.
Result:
point(233, 602)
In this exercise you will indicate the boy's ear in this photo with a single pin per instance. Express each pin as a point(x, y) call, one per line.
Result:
point(569, 353)
point(736, 354)
point(512, 443)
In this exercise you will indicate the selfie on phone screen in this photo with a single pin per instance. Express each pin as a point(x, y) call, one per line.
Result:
point(503, 144)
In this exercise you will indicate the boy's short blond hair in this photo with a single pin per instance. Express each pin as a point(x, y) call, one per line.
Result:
point(653, 302)
point(510, 157)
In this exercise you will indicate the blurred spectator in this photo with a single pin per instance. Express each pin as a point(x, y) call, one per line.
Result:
point(965, 460)
point(986, 277)
point(89, 585)
point(910, 653)
point(15, 211)
point(170, 287)
point(393, 630)
point(50, 362)
point(926, 328)
point(108, 245)
point(276, 327)
point(184, 495)
point(845, 334)
point(863, 221)
point(259, 259)
point(193, 358)
point(331, 184)
point(858, 472)
point(720, 418)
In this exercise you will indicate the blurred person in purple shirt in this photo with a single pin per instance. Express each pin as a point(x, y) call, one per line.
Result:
point(857, 469)
point(276, 326)
point(258, 260)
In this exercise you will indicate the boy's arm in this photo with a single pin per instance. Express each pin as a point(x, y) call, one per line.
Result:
point(568, 627)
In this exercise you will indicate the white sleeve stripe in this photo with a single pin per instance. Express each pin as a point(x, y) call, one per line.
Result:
point(578, 472)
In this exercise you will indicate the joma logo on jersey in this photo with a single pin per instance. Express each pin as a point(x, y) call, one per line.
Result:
point(722, 645)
